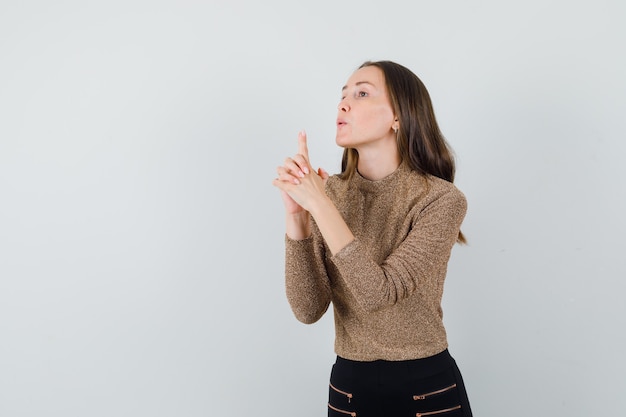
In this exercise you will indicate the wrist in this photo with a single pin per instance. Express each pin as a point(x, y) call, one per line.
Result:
point(320, 206)
point(298, 225)
point(331, 224)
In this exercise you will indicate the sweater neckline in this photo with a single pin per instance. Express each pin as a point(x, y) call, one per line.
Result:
point(382, 184)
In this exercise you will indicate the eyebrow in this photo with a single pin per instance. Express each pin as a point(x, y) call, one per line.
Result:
point(359, 83)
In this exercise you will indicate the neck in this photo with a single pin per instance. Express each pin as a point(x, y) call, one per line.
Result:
point(376, 164)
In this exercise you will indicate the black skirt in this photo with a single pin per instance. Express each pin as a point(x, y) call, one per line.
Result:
point(429, 387)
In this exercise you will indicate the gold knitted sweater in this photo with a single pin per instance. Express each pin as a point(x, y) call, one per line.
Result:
point(386, 285)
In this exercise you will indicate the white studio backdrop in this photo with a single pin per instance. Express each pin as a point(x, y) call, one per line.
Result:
point(141, 241)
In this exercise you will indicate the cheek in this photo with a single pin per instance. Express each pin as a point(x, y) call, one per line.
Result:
point(381, 119)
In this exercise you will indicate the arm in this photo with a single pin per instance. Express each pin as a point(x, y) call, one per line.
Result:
point(306, 281)
point(419, 262)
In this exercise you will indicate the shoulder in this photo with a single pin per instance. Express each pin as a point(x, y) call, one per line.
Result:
point(445, 195)
point(426, 192)
point(334, 181)
point(440, 186)
point(429, 185)
point(336, 186)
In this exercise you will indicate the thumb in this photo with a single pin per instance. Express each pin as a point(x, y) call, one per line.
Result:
point(322, 173)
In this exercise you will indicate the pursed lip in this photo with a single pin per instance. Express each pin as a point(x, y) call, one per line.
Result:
point(341, 122)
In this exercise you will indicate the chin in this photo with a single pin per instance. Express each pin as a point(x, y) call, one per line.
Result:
point(342, 141)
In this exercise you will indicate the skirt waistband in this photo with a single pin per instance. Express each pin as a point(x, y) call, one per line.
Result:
point(397, 369)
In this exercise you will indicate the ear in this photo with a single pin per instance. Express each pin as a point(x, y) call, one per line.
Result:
point(396, 125)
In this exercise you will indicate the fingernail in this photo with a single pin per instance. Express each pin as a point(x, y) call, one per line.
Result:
point(301, 174)
point(306, 170)
point(296, 181)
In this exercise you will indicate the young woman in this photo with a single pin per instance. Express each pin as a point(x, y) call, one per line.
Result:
point(375, 240)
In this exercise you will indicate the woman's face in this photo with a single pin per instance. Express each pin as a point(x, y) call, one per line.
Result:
point(365, 115)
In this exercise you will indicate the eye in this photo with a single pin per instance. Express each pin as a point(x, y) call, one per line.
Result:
point(361, 94)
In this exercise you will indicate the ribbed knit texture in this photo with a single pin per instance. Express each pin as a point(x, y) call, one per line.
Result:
point(386, 285)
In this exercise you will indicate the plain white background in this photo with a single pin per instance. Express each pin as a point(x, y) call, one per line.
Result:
point(141, 241)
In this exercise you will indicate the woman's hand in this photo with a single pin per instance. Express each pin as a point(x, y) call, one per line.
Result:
point(300, 186)
point(304, 192)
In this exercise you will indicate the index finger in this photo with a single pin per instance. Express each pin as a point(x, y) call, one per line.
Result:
point(302, 148)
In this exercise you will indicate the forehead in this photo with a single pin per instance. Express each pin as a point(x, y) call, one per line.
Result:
point(370, 74)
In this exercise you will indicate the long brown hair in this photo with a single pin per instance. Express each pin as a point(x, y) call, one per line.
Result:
point(420, 142)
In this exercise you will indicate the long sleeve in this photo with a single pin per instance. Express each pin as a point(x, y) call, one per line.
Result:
point(306, 280)
point(419, 263)
point(387, 284)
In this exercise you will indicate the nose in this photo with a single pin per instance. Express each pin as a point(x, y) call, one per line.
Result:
point(343, 105)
